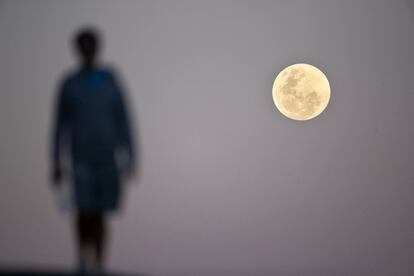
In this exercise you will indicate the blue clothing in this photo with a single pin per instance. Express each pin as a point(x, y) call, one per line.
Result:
point(92, 121)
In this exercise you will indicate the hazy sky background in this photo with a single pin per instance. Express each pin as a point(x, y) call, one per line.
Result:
point(228, 185)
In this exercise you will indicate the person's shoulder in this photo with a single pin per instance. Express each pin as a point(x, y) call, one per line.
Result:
point(66, 82)
point(69, 77)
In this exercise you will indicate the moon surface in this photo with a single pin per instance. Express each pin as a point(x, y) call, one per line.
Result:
point(301, 92)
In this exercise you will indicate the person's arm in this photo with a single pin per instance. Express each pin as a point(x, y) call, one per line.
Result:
point(125, 134)
point(59, 133)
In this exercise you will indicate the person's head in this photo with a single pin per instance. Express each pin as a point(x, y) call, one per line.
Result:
point(87, 45)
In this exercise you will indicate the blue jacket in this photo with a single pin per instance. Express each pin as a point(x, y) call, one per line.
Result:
point(91, 118)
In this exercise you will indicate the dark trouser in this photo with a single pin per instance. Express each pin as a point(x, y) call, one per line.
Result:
point(91, 232)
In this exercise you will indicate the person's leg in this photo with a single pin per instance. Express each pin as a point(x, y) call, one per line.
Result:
point(91, 236)
point(100, 238)
point(84, 240)
point(98, 231)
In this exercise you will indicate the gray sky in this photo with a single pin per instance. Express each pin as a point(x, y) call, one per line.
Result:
point(228, 185)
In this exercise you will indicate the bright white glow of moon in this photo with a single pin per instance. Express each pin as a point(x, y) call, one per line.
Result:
point(301, 92)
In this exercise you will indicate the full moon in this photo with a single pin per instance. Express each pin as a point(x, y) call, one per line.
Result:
point(301, 92)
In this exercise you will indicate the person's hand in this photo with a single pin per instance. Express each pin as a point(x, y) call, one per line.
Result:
point(129, 171)
point(56, 177)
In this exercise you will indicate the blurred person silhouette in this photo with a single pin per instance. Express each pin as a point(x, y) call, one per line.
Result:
point(92, 127)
